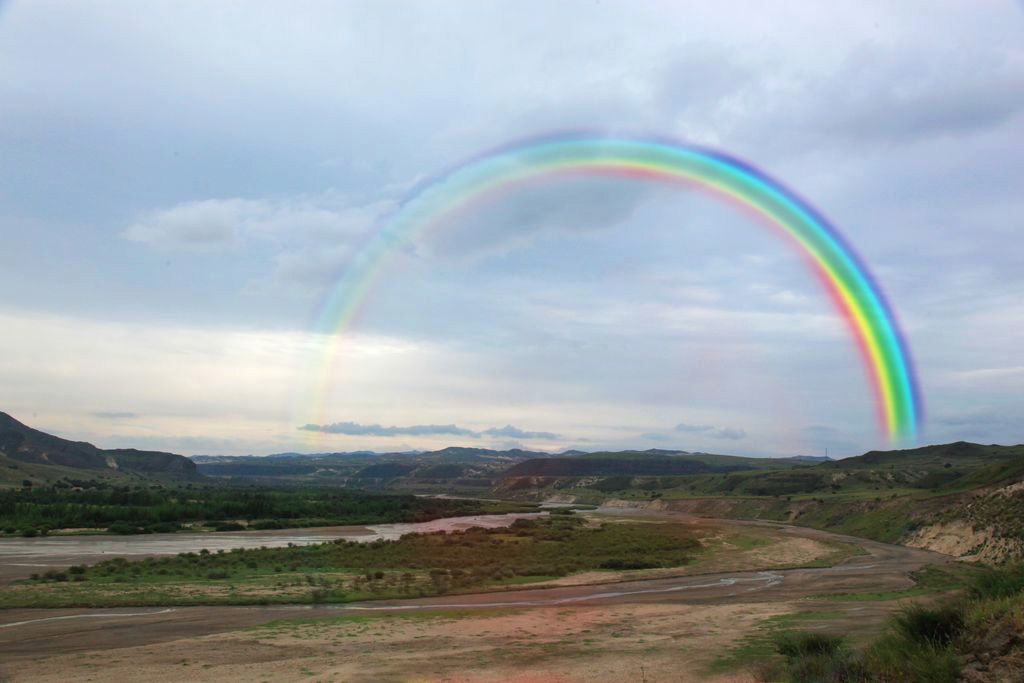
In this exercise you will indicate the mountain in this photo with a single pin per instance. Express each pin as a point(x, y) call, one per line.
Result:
point(29, 454)
point(453, 470)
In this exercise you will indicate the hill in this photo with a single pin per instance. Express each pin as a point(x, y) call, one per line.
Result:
point(28, 454)
point(452, 470)
point(962, 499)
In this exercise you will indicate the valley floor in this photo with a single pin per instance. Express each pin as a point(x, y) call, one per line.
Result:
point(687, 626)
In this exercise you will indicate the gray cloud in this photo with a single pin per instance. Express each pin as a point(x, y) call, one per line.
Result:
point(682, 427)
point(517, 433)
point(567, 206)
point(356, 429)
point(885, 98)
point(115, 415)
point(725, 433)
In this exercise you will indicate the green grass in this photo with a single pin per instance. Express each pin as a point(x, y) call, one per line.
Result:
point(760, 643)
point(924, 643)
point(747, 542)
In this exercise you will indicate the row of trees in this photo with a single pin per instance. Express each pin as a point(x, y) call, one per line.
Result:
point(56, 508)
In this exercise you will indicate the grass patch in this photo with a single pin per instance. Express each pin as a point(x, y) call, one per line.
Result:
point(928, 580)
point(746, 542)
point(922, 643)
point(760, 643)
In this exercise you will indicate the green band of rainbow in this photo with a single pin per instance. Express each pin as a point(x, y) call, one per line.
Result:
point(854, 291)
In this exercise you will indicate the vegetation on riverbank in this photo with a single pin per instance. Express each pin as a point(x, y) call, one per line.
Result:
point(343, 571)
point(122, 509)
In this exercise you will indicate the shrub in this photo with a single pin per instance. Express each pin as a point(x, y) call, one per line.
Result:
point(814, 658)
point(999, 582)
point(793, 644)
point(937, 626)
point(897, 659)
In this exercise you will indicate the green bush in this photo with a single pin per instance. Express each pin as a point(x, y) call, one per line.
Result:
point(817, 658)
point(1001, 582)
point(896, 659)
point(793, 644)
point(937, 626)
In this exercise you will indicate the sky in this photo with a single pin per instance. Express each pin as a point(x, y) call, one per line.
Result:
point(183, 183)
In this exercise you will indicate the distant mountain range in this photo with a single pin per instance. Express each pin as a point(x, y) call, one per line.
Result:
point(32, 455)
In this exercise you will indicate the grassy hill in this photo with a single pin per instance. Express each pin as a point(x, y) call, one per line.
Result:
point(960, 498)
point(29, 455)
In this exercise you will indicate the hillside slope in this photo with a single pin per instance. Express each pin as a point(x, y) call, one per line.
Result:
point(27, 454)
point(961, 499)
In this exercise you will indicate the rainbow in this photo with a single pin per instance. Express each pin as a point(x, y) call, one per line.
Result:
point(855, 293)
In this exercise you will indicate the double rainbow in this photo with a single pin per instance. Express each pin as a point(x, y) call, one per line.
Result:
point(844, 276)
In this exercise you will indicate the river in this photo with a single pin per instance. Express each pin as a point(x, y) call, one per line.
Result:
point(21, 557)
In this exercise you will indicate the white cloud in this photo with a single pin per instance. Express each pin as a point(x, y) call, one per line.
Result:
point(205, 224)
point(219, 223)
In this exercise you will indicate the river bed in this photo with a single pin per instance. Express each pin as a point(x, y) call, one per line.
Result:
point(21, 557)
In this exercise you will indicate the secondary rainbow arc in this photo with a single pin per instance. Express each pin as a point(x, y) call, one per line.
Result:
point(856, 294)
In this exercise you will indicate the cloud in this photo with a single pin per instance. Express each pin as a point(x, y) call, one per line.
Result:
point(682, 427)
point(312, 267)
point(905, 97)
point(356, 429)
point(566, 206)
point(726, 433)
point(213, 224)
point(517, 433)
point(115, 415)
point(200, 225)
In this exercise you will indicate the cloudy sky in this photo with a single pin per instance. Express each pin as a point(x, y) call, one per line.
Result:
point(182, 183)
